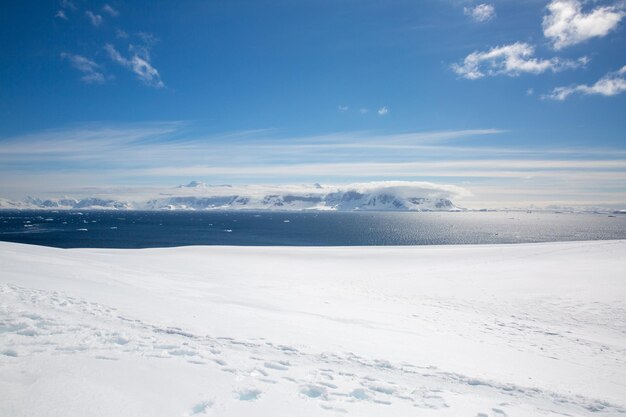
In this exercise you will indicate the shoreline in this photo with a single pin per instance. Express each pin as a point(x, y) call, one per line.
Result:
point(329, 247)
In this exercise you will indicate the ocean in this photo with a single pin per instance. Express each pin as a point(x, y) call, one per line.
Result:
point(146, 229)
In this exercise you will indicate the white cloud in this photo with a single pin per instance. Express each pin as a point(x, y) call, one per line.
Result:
point(121, 34)
point(610, 85)
point(148, 38)
point(138, 63)
point(114, 55)
point(530, 92)
point(363, 111)
point(61, 15)
point(343, 109)
point(383, 111)
point(481, 13)
point(566, 24)
point(512, 60)
point(110, 10)
point(68, 4)
point(95, 19)
point(92, 73)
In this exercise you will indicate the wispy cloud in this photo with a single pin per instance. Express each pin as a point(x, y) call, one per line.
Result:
point(610, 85)
point(383, 111)
point(139, 63)
point(61, 14)
point(342, 109)
point(169, 140)
point(481, 13)
point(95, 19)
point(567, 24)
point(68, 4)
point(148, 39)
point(121, 34)
point(85, 140)
point(167, 143)
point(110, 10)
point(169, 153)
point(459, 169)
point(92, 72)
point(511, 60)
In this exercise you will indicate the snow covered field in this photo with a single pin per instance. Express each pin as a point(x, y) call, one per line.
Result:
point(503, 330)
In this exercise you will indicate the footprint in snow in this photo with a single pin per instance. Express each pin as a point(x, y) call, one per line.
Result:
point(200, 408)
point(313, 391)
point(10, 352)
point(496, 412)
point(359, 394)
point(432, 402)
point(279, 366)
point(249, 394)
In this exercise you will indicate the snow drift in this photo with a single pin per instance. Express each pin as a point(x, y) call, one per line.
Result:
point(508, 330)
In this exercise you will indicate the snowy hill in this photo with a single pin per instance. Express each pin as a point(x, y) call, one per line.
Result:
point(383, 196)
point(489, 331)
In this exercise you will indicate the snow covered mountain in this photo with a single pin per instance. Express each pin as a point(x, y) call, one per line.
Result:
point(381, 196)
point(65, 203)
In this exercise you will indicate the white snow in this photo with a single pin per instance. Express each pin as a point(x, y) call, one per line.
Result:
point(500, 330)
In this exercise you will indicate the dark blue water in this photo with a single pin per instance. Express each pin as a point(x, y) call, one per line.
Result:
point(132, 229)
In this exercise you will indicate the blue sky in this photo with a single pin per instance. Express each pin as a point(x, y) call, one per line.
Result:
point(519, 102)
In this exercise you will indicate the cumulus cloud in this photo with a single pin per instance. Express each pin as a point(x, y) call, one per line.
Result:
point(512, 60)
point(138, 63)
point(110, 10)
point(92, 73)
point(383, 111)
point(610, 85)
point(95, 19)
point(567, 24)
point(481, 13)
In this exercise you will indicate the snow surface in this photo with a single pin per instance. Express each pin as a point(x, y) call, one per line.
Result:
point(500, 330)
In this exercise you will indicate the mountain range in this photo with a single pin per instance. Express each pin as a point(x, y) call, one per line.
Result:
point(383, 196)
